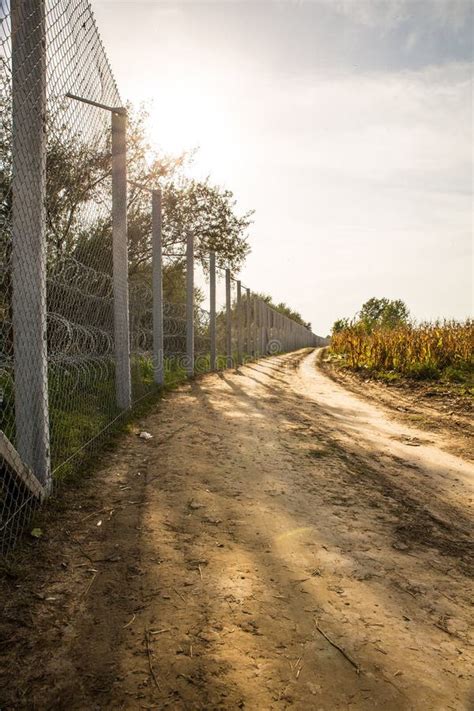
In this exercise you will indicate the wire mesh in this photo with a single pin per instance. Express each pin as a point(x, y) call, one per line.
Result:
point(174, 316)
point(220, 319)
point(61, 366)
point(233, 323)
point(202, 318)
point(78, 257)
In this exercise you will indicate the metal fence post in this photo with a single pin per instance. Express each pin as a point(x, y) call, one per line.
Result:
point(189, 304)
point(212, 309)
point(248, 340)
point(239, 323)
point(29, 306)
point(256, 333)
point(270, 328)
point(157, 266)
point(267, 327)
point(123, 383)
point(258, 327)
point(228, 320)
point(262, 328)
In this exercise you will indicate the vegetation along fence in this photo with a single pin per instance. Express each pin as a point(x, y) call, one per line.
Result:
point(85, 330)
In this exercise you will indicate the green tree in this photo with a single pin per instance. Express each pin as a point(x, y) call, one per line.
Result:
point(384, 313)
point(207, 211)
point(78, 198)
point(340, 325)
point(286, 310)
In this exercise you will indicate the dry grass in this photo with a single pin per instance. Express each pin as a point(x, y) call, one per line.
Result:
point(427, 351)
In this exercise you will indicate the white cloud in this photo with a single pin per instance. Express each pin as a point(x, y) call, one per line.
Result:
point(389, 14)
point(360, 179)
point(413, 126)
point(372, 13)
point(364, 181)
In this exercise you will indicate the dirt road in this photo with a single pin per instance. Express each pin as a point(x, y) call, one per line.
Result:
point(279, 543)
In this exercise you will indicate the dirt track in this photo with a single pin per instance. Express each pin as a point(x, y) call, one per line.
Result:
point(279, 543)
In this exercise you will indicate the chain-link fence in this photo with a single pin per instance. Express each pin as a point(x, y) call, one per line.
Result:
point(84, 336)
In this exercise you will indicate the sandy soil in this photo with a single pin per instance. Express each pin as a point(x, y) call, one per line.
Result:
point(280, 543)
point(431, 406)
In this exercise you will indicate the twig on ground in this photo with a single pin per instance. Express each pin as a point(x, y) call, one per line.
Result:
point(130, 621)
point(94, 513)
point(86, 555)
point(150, 663)
point(188, 679)
point(340, 649)
point(90, 584)
point(444, 629)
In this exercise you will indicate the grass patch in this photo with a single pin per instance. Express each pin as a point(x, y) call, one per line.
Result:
point(460, 373)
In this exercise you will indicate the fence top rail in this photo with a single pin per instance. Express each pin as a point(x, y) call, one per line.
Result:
point(120, 110)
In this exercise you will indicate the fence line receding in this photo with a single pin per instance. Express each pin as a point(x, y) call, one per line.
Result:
point(83, 335)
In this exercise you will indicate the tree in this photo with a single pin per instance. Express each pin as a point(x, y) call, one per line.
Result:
point(376, 313)
point(174, 284)
point(78, 197)
point(340, 325)
point(207, 211)
point(282, 308)
point(384, 313)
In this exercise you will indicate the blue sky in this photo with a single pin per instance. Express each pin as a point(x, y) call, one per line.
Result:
point(347, 125)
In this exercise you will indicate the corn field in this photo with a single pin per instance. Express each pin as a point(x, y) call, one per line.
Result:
point(426, 351)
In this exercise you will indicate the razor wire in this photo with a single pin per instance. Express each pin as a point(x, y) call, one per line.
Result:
point(78, 265)
point(70, 382)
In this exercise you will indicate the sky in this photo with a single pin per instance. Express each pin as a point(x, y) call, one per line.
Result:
point(345, 124)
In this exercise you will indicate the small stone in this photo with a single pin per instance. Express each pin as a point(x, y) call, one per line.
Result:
point(195, 505)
